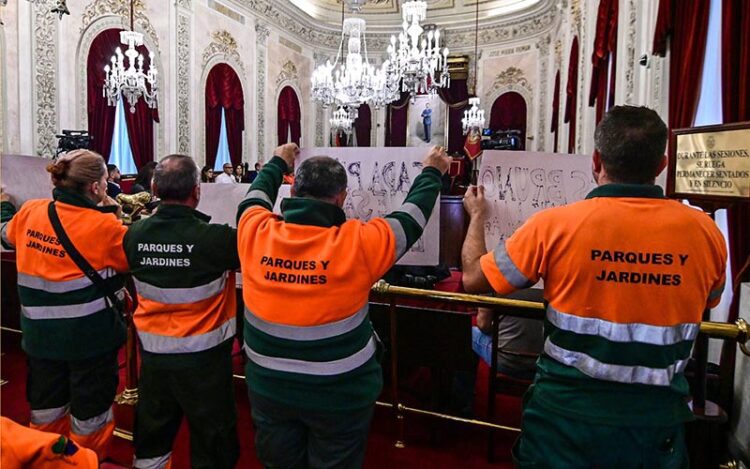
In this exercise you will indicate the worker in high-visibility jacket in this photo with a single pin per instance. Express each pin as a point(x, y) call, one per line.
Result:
point(627, 275)
point(184, 271)
point(71, 332)
point(312, 369)
point(22, 447)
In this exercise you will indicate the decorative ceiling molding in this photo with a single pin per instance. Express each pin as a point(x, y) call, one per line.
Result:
point(288, 18)
point(99, 8)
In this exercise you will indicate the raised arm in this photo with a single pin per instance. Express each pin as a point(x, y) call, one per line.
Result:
point(265, 188)
point(474, 246)
point(408, 221)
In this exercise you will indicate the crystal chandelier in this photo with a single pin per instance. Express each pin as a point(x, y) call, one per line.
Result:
point(473, 117)
point(132, 81)
point(415, 59)
point(342, 119)
point(352, 80)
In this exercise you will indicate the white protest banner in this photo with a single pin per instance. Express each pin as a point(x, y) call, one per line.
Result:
point(220, 201)
point(25, 178)
point(519, 184)
point(379, 179)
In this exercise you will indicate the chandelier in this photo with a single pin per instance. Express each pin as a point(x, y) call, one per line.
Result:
point(343, 119)
point(416, 59)
point(352, 80)
point(474, 116)
point(131, 82)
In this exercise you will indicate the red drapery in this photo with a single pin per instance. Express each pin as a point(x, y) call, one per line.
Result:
point(605, 52)
point(396, 117)
point(363, 125)
point(457, 99)
point(509, 113)
point(224, 91)
point(555, 121)
point(289, 116)
point(571, 93)
point(686, 25)
point(101, 116)
point(735, 83)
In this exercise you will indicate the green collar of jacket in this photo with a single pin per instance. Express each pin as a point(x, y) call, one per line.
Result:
point(180, 211)
point(73, 198)
point(645, 191)
point(304, 211)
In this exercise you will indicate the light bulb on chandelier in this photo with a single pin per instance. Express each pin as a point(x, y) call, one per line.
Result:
point(415, 59)
point(131, 81)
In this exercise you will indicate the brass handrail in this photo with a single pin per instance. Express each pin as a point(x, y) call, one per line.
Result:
point(738, 332)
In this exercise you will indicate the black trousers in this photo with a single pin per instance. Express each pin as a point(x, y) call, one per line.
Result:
point(205, 395)
point(88, 385)
point(289, 437)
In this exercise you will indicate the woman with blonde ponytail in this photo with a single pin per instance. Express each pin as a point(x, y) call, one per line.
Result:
point(71, 331)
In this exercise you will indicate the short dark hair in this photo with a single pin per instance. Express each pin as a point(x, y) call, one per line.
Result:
point(319, 177)
point(175, 177)
point(110, 168)
point(631, 141)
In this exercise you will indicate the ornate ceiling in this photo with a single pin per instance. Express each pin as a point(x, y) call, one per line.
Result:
point(381, 14)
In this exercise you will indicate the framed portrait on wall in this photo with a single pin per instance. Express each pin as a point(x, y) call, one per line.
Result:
point(426, 122)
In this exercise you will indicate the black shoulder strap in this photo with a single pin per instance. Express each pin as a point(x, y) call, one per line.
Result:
point(79, 260)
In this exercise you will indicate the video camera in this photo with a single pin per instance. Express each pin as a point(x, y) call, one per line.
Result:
point(73, 140)
point(502, 140)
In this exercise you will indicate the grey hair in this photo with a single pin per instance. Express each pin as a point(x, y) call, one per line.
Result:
point(320, 177)
point(175, 177)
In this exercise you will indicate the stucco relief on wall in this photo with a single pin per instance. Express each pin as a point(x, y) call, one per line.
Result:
point(44, 72)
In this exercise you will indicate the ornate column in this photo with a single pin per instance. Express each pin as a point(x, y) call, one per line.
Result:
point(184, 59)
point(261, 37)
point(541, 122)
point(44, 73)
point(320, 137)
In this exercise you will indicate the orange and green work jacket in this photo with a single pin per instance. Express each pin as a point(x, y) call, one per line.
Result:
point(184, 271)
point(63, 315)
point(22, 447)
point(306, 279)
point(627, 276)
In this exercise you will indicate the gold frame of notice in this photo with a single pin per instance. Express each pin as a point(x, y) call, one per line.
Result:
point(706, 134)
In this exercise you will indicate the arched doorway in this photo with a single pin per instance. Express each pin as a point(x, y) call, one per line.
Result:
point(225, 116)
point(122, 137)
point(289, 125)
point(509, 113)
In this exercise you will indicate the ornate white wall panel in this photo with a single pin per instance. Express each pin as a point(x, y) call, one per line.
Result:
point(184, 66)
point(44, 72)
point(261, 38)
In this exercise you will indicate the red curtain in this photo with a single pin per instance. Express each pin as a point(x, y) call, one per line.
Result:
point(686, 25)
point(289, 116)
point(396, 118)
point(457, 99)
point(101, 116)
point(224, 91)
point(363, 125)
point(605, 53)
point(509, 113)
point(555, 121)
point(735, 84)
point(571, 95)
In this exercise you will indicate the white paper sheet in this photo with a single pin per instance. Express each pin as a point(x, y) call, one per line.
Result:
point(25, 178)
